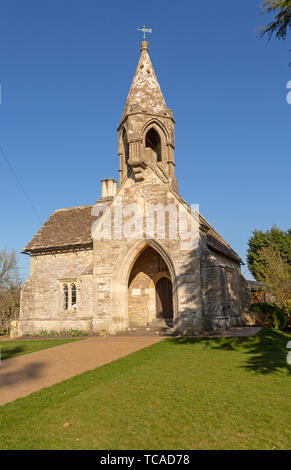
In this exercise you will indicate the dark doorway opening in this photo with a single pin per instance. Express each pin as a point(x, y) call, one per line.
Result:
point(164, 300)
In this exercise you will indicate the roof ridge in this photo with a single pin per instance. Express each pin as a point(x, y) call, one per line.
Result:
point(75, 207)
point(215, 231)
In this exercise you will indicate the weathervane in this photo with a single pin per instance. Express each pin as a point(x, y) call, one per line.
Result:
point(144, 30)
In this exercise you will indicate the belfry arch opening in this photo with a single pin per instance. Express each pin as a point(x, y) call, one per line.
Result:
point(125, 148)
point(150, 292)
point(153, 141)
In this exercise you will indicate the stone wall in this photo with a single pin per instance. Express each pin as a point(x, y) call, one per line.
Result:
point(42, 293)
point(226, 296)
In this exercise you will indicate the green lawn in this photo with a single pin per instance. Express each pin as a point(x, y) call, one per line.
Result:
point(231, 393)
point(17, 348)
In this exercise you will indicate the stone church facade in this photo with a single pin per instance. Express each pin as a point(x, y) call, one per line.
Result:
point(126, 261)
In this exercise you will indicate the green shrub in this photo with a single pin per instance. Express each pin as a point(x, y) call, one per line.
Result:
point(69, 332)
point(73, 332)
point(269, 315)
point(53, 333)
point(287, 309)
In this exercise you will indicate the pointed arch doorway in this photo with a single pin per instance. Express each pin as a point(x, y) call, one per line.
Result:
point(150, 293)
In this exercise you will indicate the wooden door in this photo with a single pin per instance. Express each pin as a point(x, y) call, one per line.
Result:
point(164, 299)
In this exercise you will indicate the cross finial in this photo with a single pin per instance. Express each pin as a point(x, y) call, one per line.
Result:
point(144, 30)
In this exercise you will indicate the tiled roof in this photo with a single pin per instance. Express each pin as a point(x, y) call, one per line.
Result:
point(72, 228)
point(64, 228)
point(216, 243)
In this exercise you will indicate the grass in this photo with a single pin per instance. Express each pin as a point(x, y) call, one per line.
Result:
point(18, 348)
point(227, 393)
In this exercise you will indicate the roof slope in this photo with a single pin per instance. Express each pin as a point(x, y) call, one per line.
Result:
point(64, 228)
point(216, 243)
point(72, 228)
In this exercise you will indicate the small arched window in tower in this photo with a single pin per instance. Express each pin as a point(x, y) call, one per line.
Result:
point(125, 147)
point(65, 297)
point(74, 296)
point(153, 142)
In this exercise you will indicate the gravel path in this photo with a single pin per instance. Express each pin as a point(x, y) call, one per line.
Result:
point(22, 375)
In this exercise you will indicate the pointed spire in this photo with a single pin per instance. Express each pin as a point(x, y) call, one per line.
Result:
point(145, 93)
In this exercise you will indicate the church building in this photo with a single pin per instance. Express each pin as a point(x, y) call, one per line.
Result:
point(141, 257)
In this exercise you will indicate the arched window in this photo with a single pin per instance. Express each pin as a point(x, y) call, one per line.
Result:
point(65, 297)
point(125, 146)
point(74, 296)
point(153, 141)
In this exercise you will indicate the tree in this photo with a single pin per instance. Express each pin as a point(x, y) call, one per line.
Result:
point(275, 274)
point(8, 267)
point(10, 285)
point(269, 260)
point(278, 239)
point(282, 20)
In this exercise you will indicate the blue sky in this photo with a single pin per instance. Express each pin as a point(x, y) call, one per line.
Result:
point(65, 71)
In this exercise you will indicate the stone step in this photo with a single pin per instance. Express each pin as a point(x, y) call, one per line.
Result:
point(156, 324)
point(148, 330)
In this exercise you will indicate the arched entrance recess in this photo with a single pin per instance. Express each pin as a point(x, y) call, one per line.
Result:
point(120, 280)
point(149, 289)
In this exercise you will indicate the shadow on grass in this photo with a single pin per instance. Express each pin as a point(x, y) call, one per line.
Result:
point(266, 351)
point(11, 352)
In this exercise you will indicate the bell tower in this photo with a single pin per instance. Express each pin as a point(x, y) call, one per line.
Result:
point(146, 133)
